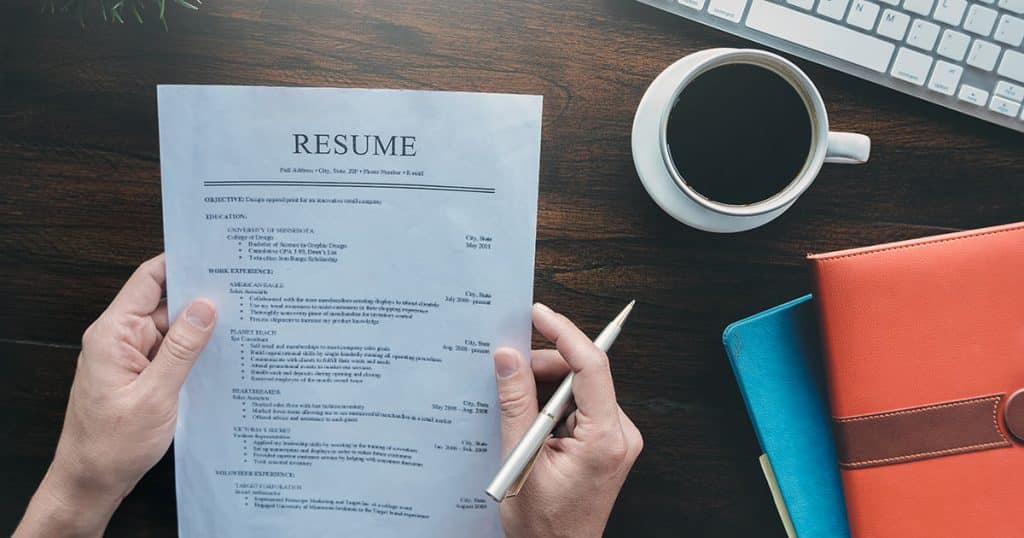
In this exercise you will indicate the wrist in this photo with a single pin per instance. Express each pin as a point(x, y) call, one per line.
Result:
point(66, 505)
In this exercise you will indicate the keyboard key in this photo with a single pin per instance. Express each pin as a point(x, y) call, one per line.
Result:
point(892, 2)
point(1004, 106)
point(863, 14)
point(730, 10)
point(950, 11)
point(921, 7)
point(833, 9)
point(819, 34)
point(1010, 31)
point(1016, 6)
point(1010, 91)
point(894, 25)
point(923, 34)
point(975, 96)
point(945, 77)
point(911, 66)
point(980, 20)
point(983, 55)
point(953, 45)
point(1012, 65)
point(695, 4)
point(805, 4)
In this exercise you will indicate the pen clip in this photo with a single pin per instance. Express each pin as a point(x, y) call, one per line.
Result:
point(513, 490)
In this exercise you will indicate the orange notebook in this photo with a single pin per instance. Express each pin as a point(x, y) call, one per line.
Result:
point(924, 346)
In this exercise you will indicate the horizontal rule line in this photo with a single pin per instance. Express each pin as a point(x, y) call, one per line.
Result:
point(349, 184)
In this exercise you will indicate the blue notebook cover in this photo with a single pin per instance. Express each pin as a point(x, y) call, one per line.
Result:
point(776, 357)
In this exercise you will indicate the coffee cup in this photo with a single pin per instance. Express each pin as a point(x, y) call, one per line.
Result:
point(725, 140)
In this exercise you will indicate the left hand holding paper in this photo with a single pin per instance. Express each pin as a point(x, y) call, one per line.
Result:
point(123, 406)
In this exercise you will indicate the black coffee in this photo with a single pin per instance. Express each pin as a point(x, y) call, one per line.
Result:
point(739, 134)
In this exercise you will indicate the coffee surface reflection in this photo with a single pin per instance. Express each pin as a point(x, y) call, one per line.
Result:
point(738, 134)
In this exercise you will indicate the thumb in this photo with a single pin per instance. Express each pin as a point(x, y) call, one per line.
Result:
point(517, 396)
point(180, 348)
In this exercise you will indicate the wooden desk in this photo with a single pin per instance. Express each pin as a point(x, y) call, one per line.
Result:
point(80, 207)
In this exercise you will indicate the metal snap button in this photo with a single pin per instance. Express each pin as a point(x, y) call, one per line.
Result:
point(1013, 413)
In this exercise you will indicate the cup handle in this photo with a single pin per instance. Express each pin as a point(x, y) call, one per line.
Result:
point(847, 148)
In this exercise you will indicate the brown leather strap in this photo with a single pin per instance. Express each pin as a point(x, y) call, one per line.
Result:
point(919, 433)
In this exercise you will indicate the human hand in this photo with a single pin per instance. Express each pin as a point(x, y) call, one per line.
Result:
point(576, 479)
point(123, 406)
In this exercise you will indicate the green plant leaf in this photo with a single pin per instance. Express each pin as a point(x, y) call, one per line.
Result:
point(114, 11)
point(183, 3)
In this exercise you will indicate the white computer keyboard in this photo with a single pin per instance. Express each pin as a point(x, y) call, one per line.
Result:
point(962, 54)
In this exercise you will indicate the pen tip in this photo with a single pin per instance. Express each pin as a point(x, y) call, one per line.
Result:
point(621, 318)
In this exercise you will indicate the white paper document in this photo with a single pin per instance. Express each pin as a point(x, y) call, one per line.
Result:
point(367, 251)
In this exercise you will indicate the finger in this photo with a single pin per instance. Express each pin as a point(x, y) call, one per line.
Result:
point(548, 365)
point(160, 317)
point(180, 348)
point(634, 440)
point(141, 293)
point(156, 347)
point(567, 426)
point(151, 337)
point(517, 396)
point(592, 386)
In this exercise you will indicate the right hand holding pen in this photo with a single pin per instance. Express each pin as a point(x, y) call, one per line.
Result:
point(576, 479)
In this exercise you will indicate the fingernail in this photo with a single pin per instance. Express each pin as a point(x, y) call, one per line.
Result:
point(543, 307)
point(200, 314)
point(506, 362)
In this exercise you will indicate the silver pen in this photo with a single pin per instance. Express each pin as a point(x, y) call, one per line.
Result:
point(520, 461)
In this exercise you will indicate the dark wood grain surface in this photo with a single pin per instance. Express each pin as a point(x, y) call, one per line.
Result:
point(80, 207)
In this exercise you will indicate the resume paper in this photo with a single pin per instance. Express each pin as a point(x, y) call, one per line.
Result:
point(367, 251)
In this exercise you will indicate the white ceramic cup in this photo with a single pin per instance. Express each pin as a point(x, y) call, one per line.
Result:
point(668, 187)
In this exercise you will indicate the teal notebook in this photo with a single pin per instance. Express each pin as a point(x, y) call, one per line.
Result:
point(776, 357)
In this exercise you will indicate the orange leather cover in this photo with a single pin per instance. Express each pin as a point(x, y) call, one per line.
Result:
point(922, 322)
